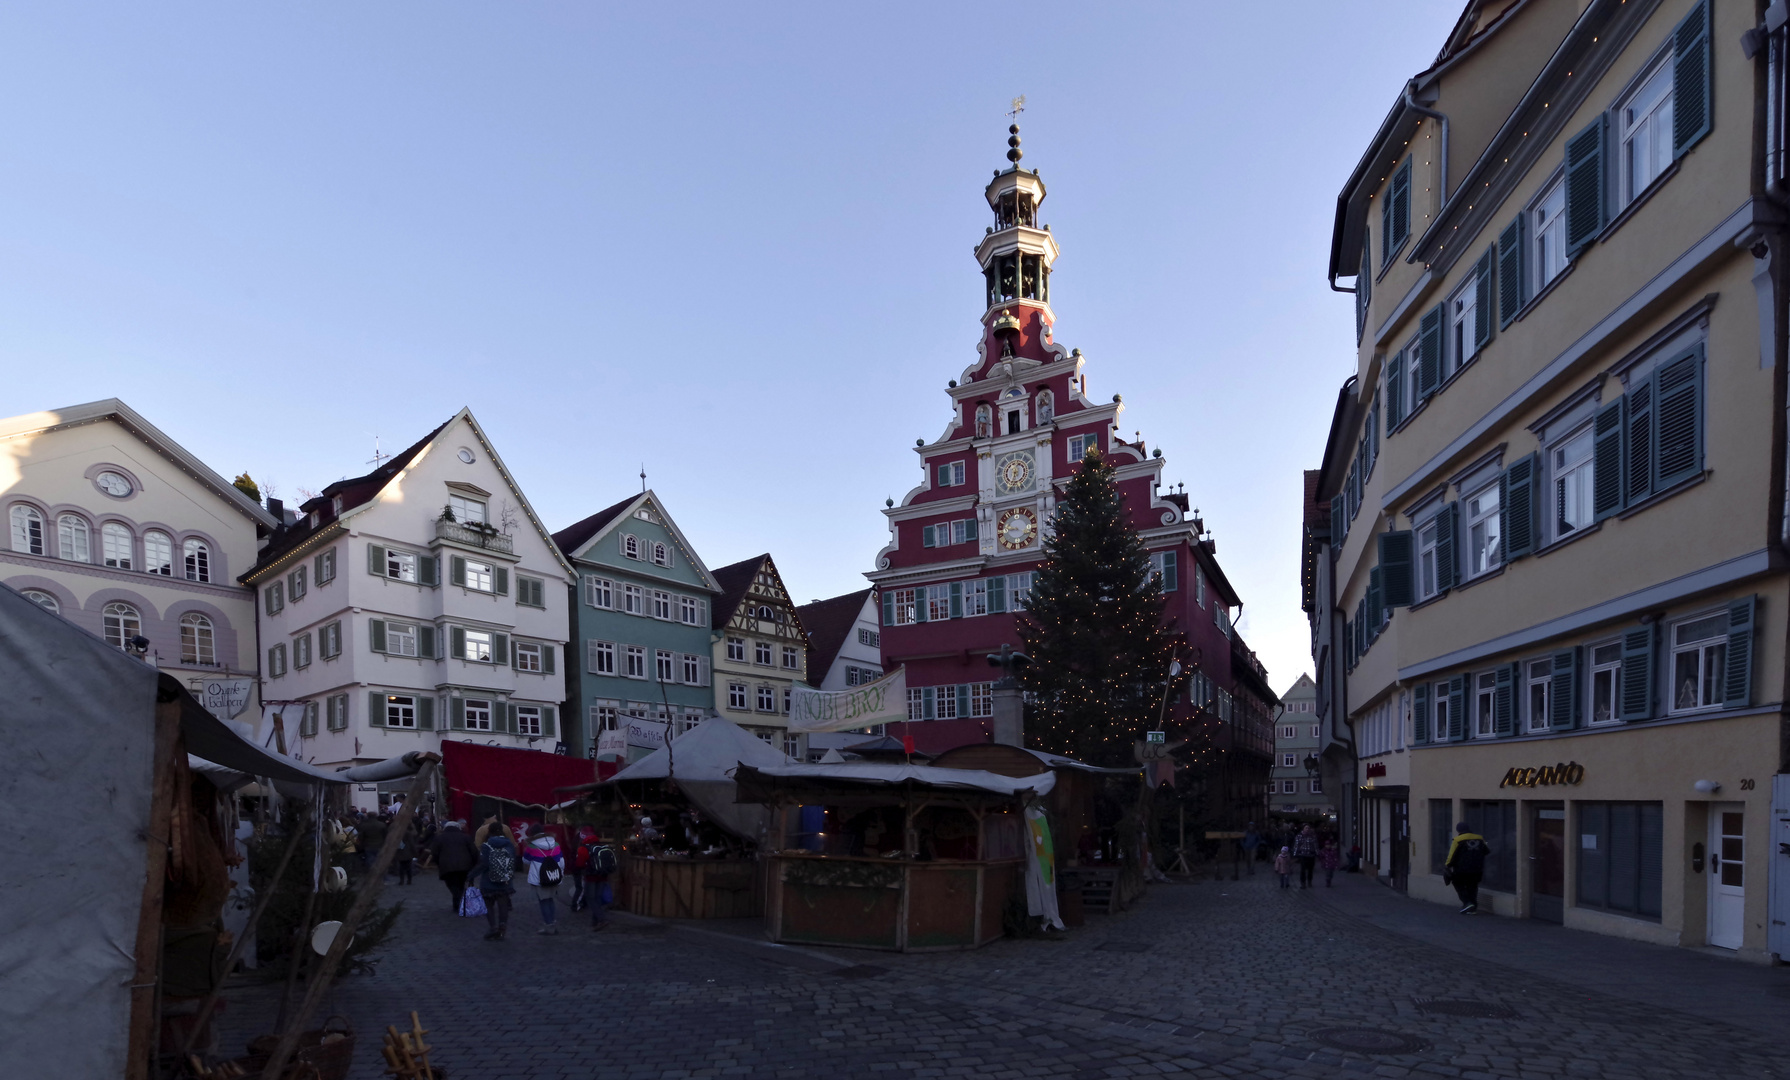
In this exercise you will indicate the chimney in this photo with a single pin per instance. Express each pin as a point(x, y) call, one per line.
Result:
point(277, 508)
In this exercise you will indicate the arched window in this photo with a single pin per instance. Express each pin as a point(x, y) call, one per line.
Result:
point(43, 600)
point(984, 422)
point(71, 538)
point(661, 554)
point(115, 545)
point(1046, 407)
point(198, 561)
point(27, 530)
point(122, 624)
point(197, 645)
point(158, 553)
point(631, 546)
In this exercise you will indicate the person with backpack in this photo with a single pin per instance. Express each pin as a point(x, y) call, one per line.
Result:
point(597, 870)
point(546, 869)
point(495, 872)
point(454, 854)
point(1465, 865)
point(582, 844)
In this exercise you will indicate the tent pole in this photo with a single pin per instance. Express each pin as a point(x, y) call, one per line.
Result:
point(145, 1023)
point(304, 927)
point(363, 905)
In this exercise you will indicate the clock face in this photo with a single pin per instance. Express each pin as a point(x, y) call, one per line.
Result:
point(1016, 528)
point(113, 484)
point(1016, 470)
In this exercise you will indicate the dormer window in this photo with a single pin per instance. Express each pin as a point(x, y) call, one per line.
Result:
point(631, 546)
point(661, 555)
point(467, 511)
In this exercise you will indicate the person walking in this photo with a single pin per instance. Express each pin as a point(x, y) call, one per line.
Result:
point(1251, 841)
point(1283, 865)
point(406, 860)
point(1465, 865)
point(582, 845)
point(372, 839)
point(454, 854)
point(597, 869)
point(1328, 857)
point(494, 873)
point(1305, 851)
point(546, 869)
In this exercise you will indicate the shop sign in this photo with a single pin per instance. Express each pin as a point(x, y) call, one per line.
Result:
point(226, 698)
point(1547, 776)
point(1376, 768)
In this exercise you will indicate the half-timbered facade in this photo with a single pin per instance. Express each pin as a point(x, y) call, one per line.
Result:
point(760, 651)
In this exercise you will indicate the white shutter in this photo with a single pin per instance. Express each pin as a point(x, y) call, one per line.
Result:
point(702, 669)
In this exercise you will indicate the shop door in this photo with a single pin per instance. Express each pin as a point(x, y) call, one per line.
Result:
point(1727, 874)
point(1547, 863)
point(1401, 844)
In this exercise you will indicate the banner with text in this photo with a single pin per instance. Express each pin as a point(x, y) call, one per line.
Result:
point(881, 702)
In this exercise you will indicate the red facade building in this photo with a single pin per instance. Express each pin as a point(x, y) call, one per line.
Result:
point(964, 543)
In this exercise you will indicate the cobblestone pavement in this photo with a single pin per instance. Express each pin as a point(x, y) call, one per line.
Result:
point(1209, 979)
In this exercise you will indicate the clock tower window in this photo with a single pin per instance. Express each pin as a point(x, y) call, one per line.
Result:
point(1013, 421)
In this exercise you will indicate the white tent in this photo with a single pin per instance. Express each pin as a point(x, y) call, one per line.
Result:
point(701, 763)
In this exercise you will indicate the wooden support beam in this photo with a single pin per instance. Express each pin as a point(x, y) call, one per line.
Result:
point(145, 1024)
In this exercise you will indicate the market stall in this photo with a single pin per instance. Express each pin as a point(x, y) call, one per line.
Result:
point(909, 857)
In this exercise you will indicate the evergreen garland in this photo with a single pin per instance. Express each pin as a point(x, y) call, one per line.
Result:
point(1094, 629)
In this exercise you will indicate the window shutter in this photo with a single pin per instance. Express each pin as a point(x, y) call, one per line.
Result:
point(457, 642)
point(702, 669)
point(549, 725)
point(969, 528)
point(1563, 696)
point(1678, 431)
point(375, 708)
point(1690, 80)
point(1401, 204)
point(503, 717)
point(1485, 295)
point(1457, 708)
point(457, 570)
point(1395, 391)
point(1348, 645)
point(1364, 291)
point(1171, 579)
point(1584, 187)
point(1420, 713)
point(1447, 558)
point(1737, 681)
point(997, 594)
point(957, 599)
point(1386, 201)
point(963, 699)
point(926, 704)
point(515, 658)
point(425, 713)
point(425, 642)
point(1637, 436)
point(1503, 710)
point(944, 476)
point(503, 581)
point(376, 632)
point(1376, 603)
point(920, 604)
point(457, 713)
point(375, 560)
point(1517, 507)
point(1606, 468)
point(590, 655)
point(317, 569)
point(1339, 519)
point(1361, 639)
point(547, 652)
point(926, 536)
point(1512, 282)
point(428, 570)
point(1429, 354)
point(1637, 672)
point(888, 607)
point(1395, 568)
point(500, 649)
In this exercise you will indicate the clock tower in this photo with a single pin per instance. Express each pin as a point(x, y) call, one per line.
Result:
point(963, 544)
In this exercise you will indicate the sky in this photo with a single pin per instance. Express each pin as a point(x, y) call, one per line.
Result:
point(729, 244)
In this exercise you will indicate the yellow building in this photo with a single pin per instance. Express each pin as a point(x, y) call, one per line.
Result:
point(761, 651)
point(1546, 547)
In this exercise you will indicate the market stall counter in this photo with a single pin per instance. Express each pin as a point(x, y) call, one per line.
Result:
point(907, 858)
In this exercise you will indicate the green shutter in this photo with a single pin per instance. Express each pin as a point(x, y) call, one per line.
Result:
point(1395, 568)
point(1429, 354)
point(1348, 645)
point(1376, 603)
point(1737, 680)
point(963, 699)
point(1677, 426)
point(375, 708)
point(1637, 442)
point(1606, 468)
point(549, 722)
point(425, 712)
point(425, 642)
point(1339, 519)
point(944, 476)
point(1512, 281)
point(503, 580)
point(457, 642)
point(1171, 578)
point(1386, 226)
point(515, 657)
point(1563, 695)
point(428, 570)
point(1584, 187)
point(375, 560)
point(926, 536)
point(1420, 713)
point(457, 713)
point(317, 569)
point(1518, 528)
point(1637, 672)
point(1691, 84)
point(500, 648)
point(1457, 708)
point(920, 604)
point(997, 593)
point(1448, 523)
point(1485, 296)
point(1361, 640)
point(546, 658)
point(1503, 707)
point(457, 569)
point(1364, 292)
point(1395, 391)
point(888, 607)
point(957, 599)
point(969, 529)
point(1401, 204)
point(927, 696)
point(376, 632)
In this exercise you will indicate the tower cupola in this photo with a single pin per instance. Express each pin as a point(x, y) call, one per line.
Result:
point(1016, 252)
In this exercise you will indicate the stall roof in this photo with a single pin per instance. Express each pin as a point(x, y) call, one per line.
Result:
point(702, 762)
point(756, 784)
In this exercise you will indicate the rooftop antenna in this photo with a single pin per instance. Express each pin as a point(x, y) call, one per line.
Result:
point(379, 456)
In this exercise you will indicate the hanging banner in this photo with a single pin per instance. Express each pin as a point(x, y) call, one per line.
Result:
point(226, 698)
point(881, 702)
point(612, 744)
point(1041, 869)
point(644, 732)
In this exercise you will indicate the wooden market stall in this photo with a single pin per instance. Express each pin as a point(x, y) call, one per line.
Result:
point(910, 858)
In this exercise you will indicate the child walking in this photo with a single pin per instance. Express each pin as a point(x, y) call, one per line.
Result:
point(1283, 865)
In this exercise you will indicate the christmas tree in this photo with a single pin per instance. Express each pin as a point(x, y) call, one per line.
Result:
point(1094, 629)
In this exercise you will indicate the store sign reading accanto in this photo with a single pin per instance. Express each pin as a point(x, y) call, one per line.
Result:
point(1547, 776)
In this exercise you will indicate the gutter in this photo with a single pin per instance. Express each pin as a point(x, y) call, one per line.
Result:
point(1442, 184)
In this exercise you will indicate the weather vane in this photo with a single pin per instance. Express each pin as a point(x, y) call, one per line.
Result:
point(379, 456)
point(1019, 106)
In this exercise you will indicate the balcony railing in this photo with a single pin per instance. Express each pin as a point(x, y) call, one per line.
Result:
point(474, 536)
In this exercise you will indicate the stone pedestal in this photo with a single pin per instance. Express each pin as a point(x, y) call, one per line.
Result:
point(1009, 716)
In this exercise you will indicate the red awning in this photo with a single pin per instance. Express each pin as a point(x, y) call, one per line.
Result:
point(527, 777)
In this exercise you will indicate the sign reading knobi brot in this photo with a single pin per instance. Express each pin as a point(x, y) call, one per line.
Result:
point(1570, 772)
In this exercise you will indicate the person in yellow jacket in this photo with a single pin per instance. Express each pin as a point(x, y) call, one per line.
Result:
point(1465, 865)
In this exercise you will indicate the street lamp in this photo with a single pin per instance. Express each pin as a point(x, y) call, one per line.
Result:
point(1311, 765)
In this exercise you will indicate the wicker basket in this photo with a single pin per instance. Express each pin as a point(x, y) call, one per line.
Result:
point(330, 1060)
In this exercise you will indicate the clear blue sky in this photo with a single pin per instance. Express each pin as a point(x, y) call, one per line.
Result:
point(731, 243)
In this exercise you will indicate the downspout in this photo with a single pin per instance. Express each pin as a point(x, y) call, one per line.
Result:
point(1411, 103)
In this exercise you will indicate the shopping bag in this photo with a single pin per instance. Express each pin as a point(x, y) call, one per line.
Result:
point(473, 903)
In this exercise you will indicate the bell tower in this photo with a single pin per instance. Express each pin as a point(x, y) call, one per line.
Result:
point(1016, 254)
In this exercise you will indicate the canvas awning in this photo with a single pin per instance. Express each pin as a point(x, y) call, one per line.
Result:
point(764, 784)
point(701, 762)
